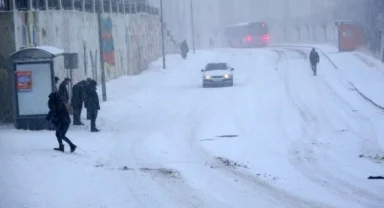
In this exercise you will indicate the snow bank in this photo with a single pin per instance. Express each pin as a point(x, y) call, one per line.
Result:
point(364, 72)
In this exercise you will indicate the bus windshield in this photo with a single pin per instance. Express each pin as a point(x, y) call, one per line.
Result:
point(257, 29)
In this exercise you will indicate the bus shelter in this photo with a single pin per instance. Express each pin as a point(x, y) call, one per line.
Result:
point(33, 81)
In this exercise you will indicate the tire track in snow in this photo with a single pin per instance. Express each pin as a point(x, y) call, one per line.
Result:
point(129, 150)
point(167, 122)
point(371, 144)
point(313, 169)
point(167, 125)
point(177, 189)
point(350, 188)
point(127, 155)
point(337, 180)
point(283, 198)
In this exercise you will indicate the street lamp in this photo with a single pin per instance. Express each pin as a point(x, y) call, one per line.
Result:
point(192, 27)
point(162, 32)
point(102, 67)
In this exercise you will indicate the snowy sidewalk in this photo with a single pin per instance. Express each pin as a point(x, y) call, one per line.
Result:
point(365, 73)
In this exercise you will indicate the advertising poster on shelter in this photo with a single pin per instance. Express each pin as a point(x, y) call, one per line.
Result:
point(24, 81)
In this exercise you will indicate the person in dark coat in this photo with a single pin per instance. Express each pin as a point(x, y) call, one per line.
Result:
point(86, 92)
point(63, 91)
point(78, 93)
point(58, 115)
point(93, 104)
point(184, 49)
point(314, 59)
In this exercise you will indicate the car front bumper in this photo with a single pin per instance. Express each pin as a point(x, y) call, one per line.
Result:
point(218, 81)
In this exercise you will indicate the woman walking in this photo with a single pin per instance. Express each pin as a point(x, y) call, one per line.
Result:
point(59, 116)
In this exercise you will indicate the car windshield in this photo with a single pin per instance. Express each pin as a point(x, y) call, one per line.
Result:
point(216, 66)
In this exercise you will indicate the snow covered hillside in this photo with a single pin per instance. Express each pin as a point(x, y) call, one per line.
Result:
point(279, 138)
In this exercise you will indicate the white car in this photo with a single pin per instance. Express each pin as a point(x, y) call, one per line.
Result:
point(217, 74)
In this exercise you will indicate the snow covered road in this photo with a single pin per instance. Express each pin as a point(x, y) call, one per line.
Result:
point(279, 138)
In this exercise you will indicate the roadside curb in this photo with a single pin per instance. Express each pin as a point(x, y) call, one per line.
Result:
point(366, 97)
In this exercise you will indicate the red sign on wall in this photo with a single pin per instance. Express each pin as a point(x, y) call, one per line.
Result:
point(24, 81)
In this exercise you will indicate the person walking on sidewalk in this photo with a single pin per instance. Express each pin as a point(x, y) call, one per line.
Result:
point(93, 105)
point(314, 59)
point(58, 115)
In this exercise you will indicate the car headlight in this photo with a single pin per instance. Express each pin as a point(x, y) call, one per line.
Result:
point(207, 77)
point(226, 76)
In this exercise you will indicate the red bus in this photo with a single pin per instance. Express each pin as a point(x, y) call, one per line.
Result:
point(247, 35)
point(350, 35)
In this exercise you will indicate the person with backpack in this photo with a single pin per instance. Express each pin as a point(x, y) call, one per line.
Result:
point(314, 60)
point(58, 115)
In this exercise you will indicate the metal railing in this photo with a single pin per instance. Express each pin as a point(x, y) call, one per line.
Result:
point(109, 6)
point(91, 6)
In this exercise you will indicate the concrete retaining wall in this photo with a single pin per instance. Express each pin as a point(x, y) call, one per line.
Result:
point(130, 41)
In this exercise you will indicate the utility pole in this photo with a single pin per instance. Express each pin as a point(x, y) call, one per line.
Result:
point(266, 10)
point(193, 28)
point(103, 85)
point(162, 33)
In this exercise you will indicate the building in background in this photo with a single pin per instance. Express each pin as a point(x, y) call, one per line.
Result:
point(210, 16)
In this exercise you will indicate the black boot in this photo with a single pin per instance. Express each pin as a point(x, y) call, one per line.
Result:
point(60, 148)
point(73, 147)
point(93, 123)
point(94, 130)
